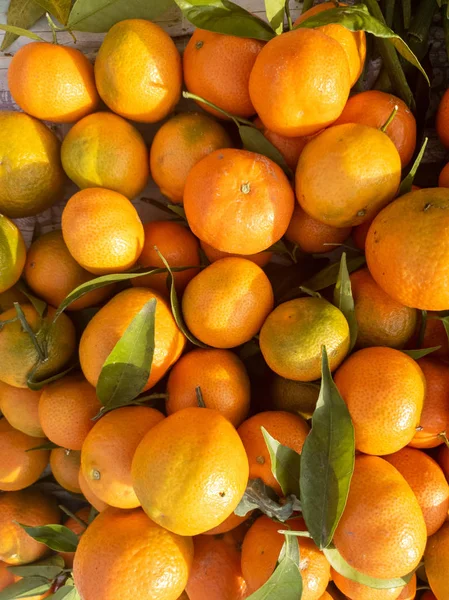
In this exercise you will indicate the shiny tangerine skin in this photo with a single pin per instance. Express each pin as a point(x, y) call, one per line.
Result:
point(65, 465)
point(261, 259)
point(357, 591)
point(311, 235)
point(436, 561)
point(89, 495)
point(238, 201)
point(377, 535)
point(20, 407)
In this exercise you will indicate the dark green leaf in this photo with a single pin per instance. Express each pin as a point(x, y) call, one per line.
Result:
point(260, 496)
point(275, 11)
point(18, 31)
point(329, 275)
point(127, 368)
point(46, 446)
point(101, 15)
point(56, 537)
point(343, 299)
point(39, 305)
point(285, 465)
point(37, 385)
point(223, 16)
point(407, 182)
point(255, 141)
point(341, 566)
point(177, 209)
point(25, 588)
point(416, 354)
point(23, 14)
point(327, 461)
point(48, 572)
point(59, 9)
point(249, 349)
point(358, 18)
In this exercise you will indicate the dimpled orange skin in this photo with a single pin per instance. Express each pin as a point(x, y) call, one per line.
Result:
point(177, 245)
point(435, 414)
point(226, 304)
point(428, 483)
point(108, 452)
point(190, 471)
point(52, 82)
point(288, 429)
point(230, 523)
point(373, 108)
point(261, 259)
point(109, 324)
point(260, 552)
point(352, 42)
point(238, 201)
point(104, 150)
point(65, 466)
point(89, 495)
point(381, 320)
point(52, 273)
point(384, 391)
point(217, 67)
point(102, 231)
point(19, 406)
point(436, 561)
point(83, 514)
point(311, 235)
point(442, 120)
point(347, 174)
point(223, 380)
point(179, 144)
point(138, 71)
point(415, 230)
point(297, 106)
point(66, 410)
point(377, 535)
point(156, 563)
point(33, 508)
point(358, 591)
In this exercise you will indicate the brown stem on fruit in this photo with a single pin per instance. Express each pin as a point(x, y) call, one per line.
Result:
point(444, 437)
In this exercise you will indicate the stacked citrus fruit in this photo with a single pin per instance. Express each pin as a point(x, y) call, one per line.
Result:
point(168, 372)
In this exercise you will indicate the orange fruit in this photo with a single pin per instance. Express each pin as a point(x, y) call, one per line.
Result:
point(428, 483)
point(12, 253)
point(311, 235)
point(179, 144)
point(66, 410)
point(52, 273)
point(294, 396)
point(297, 106)
point(19, 468)
point(293, 334)
point(261, 259)
point(10, 296)
point(20, 406)
point(353, 43)
point(159, 561)
point(108, 451)
point(384, 391)
point(226, 304)
point(443, 178)
point(381, 321)
point(436, 561)
point(288, 429)
point(289, 147)
point(190, 471)
point(442, 119)
point(359, 591)
point(359, 234)
point(89, 495)
point(435, 414)
point(413, 230)
point(435, 335)
point(238, 201)
point(34, 179)
point(177, 245)
point(373, 108)
point(18, 354)
point(103, 150)
point(30, 507)
point(217, 67)
point(377, 535)
point(260, 552)
point(443, 460)
point(65, 466)
point(102, 230)
point(52, 82)
point(223, 380)
point(138, 71)
point(109, 324)
point(347, 174)
point(216, 570)
point(83, 514)
point(230, 523)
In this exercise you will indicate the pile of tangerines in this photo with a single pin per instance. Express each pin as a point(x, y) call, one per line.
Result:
point(251, 479)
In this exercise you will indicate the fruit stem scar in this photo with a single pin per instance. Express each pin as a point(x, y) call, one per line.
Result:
point(361, 213)
point(245, 188)
point(260, 460)
point(96, 474)
point(427, 206)
point(199, 44)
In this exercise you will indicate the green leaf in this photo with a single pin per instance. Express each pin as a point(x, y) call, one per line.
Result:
point(60, 9)
point(126, 370)
point(100, 15)
point(338, 563)
point(358, 18)
point(66, 592)
point(23, 14)
point(343, 299)
point(286, 581)
point(25, 588)
point(37, 385)
point(329, 275)
point(56, 537)
point(199, 397)
point(46, 446)
point(168, 209)
point(223, 16)
point(416, 354)
point(48, 572)
point(285, 464)
point(255, 141)
point(407, 182)
point(177, 209)
point(18, 31)
point(327, 461)
point(275, 11)
point(259, 496)
point(26, 327)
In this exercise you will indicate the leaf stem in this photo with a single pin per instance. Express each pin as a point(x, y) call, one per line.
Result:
point(390, 118)
point(305, 534)
point(289, 17)
point(237, 120)
point(52, 27)
point(26, 326)
point(73, 516)
point(443, 436)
